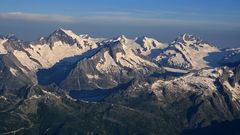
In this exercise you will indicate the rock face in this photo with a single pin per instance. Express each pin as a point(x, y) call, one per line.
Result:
point(187, 84)
point(12, 75)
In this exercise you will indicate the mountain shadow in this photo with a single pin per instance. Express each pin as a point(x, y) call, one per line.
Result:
point(214, 58)
point(97, 95)
point(60, 70)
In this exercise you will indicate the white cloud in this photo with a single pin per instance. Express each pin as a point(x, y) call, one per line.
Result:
point(37, 17)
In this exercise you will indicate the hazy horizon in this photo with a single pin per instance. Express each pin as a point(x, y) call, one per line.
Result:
point(216, 21)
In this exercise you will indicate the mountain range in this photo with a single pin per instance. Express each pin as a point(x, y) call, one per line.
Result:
point(76, 84)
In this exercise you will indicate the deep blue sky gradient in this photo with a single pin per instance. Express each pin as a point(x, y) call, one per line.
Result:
point(217, 21)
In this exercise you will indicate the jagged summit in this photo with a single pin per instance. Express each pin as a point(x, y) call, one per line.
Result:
point(187, 37)
point(70, 33)
point(122, 39)
point(62, 32)
point(189, 40)
point(148, 44)
point(60, 35)
point(187, 51)
point(141, 39)
point(70, 38)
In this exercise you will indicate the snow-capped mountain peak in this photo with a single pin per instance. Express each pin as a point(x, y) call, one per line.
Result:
point(188, 52)
point(148, 44)
point(122, 39)
point(69, 37)
point(186, 37)
point(62, 33)
point(48, 51)
point(189, 40)
point(69, 33)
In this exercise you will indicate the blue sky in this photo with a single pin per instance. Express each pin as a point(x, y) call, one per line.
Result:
point(217, 21)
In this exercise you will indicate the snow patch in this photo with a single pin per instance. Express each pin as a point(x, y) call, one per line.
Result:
point(51, 94)
point(34, 97)
point(69, 97)
point(132, 60)
point(107, 64)
point(81, 39)
point(234, 90)
point(175, 70)
point(188, 52)
point(13, 71)
point(232, 55)
point(149, 44)
point(3, 98)
point(48, 56)
point(70, 33)
point(25, 60)
point(3, 50)
point(200, 81)
point(89, 76)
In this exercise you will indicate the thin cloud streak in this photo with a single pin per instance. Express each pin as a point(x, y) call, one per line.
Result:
point(151, 18)
point(37, 17)
point(157, 18)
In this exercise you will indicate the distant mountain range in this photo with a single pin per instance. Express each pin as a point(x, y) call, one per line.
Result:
point(75, 84)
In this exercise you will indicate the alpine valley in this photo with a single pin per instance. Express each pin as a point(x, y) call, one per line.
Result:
point(75, 84)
